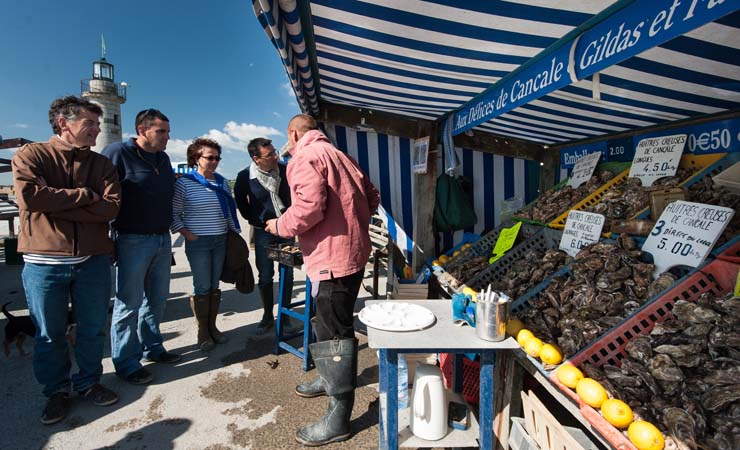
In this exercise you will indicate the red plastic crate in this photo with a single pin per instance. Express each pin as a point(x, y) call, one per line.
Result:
point(470, 374)
point(718, 277)
point(731, 251)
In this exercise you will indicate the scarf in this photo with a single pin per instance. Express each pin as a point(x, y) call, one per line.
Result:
point(271, 182)
point(225, 200)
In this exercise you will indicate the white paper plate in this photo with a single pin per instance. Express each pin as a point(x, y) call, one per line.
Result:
point(396, 316)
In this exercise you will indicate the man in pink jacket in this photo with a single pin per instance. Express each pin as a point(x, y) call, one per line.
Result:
point(331, 204)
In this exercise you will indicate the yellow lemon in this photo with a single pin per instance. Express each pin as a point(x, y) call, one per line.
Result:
point(455, 253)
point(645, 436)
point(443, 259)
point(533, 346)
point(617, 412)
point(436, 263)
point(551, 354)
point(591, 392)
point(466, 246)
point(467, 290)
point(513, 326)
point(569, 375)
point(523, 336)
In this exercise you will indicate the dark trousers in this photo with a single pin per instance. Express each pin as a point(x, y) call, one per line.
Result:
point(335, 305)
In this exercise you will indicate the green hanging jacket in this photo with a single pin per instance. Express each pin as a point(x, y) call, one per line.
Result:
point(453, 208)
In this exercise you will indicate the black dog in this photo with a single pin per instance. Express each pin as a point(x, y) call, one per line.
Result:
point(16, 330)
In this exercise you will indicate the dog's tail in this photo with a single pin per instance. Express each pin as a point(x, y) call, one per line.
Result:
point(5, 310)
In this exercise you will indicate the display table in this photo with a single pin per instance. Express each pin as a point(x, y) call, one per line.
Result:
point(445, 337)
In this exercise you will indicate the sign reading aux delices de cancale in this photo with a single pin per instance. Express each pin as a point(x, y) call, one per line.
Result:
point(628, 32)
point(581, 228)
point(685, 233)
point(657, 158)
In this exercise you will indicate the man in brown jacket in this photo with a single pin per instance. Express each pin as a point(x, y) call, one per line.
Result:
point(67, 194)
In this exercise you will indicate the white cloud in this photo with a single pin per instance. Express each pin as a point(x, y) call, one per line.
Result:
point(277, 114)
point(177, 149)
point(20, 125)
point(287, 89)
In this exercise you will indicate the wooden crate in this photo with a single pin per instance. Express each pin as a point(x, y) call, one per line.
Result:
point(547, 431)
point(408, 291)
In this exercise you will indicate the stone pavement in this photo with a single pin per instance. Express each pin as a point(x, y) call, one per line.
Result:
point(231, 398)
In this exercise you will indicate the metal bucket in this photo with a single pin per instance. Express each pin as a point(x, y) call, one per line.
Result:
point(491, 319)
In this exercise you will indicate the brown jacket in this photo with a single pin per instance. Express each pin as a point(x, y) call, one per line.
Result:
point(54, 183)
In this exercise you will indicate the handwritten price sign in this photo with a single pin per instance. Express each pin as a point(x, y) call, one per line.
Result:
point(583, 169)
point(581, 229)
point(657, 157)
point(686, 233)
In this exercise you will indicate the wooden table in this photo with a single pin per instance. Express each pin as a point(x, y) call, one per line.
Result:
point(443, 336)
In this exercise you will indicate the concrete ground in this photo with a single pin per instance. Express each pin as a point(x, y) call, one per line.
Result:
point(234, 397)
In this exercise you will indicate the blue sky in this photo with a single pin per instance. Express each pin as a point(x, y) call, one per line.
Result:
point(207, 65)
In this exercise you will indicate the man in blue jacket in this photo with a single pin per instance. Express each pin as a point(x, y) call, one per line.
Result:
point(143, 246)
point(261, 192)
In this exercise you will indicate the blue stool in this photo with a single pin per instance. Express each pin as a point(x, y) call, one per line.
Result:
point(309, 310)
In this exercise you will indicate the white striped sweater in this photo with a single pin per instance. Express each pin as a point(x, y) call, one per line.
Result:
point(196, 208)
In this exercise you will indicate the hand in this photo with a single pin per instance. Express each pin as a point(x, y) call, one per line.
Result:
point(271, 226)
point(188, 235)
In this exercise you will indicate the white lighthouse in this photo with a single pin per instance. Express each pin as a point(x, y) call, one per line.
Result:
point(103, 90)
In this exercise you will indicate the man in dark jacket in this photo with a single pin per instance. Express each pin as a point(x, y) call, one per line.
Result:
point(143, 246)
point(262, 193)
point(67, 194)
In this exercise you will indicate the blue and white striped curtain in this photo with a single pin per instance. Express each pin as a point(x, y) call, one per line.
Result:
point(387, 160)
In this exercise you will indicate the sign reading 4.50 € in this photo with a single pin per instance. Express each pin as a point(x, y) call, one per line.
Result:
point(657, 157)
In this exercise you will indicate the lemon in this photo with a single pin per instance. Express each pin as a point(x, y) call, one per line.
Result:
point(551, 354)
point(467, 290)
point(436, 263)
point(533, 346)
point(466, 246)
point(645, 436)
point(443, 259)
point(523, 336)
point(569, 375)
point(455, 253)
point(617, 412)
point(591, 392)
point(513, 326)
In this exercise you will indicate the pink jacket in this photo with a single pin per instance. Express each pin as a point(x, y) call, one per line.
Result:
point(332, 200)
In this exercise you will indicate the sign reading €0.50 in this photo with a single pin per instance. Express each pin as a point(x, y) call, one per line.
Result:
point(686, 233)
point(505, 241)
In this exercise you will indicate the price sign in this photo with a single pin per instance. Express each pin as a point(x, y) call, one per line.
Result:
point(581, 228)
point(686, 233)
point(583, 169)
point(505, 241)
point(657, 157)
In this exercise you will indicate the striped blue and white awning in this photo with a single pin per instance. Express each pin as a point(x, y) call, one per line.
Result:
point(425, 59)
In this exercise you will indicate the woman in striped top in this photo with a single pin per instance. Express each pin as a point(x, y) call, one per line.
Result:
point(203, 211)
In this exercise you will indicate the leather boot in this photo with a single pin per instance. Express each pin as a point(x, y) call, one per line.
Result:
point(214, 304)
point(200, 304)
point(336, 362)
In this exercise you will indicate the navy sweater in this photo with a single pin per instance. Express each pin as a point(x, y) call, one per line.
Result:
point(147, 186)
point(254, 201)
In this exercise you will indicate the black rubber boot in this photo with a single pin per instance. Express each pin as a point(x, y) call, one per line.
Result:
point(336, 362)
point(200, 306)
point(266, 296)
point(311, 389)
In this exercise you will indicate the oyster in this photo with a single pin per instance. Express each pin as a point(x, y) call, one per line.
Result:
point(640, 349)
point(681, 426)
point(663, 368)
point(720, 396)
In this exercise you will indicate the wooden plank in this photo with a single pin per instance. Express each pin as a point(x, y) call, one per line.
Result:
point(425, 186)
point(550, 165)
point(507, 381)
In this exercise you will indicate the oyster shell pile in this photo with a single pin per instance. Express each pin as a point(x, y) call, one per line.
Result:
point(464, 271)
point(705, 191)
point(627, 199)
point(608, 283)
point(552, 203)
point(685, 375)
point(529, 271)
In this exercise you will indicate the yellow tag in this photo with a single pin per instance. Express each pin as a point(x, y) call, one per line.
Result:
point(737, 285)
point(505, 241)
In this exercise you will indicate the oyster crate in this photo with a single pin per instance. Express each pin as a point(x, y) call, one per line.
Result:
point(485, 244)
point(717, 276)
point(687, 161)
point(730, 251)
point(616, 167)
point(470, 376)
point(285, 254)
point(542, 239)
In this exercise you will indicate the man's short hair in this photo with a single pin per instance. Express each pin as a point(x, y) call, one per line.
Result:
point(70, 107)
point(256, 144)
point(303, 123)
point(196, 149)
point(147, 116)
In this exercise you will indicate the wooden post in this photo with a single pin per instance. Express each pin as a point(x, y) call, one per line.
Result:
point(425, 186)
point(550, 163)
point(507, 382)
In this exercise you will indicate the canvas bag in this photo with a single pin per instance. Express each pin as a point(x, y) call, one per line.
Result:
point(453, 208)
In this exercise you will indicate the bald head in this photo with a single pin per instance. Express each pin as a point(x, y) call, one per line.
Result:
point(298, 126)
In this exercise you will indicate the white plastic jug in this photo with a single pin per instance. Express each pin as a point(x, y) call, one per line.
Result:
point(428, 415)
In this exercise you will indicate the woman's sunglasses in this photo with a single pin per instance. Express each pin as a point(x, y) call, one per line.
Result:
point(212, 158)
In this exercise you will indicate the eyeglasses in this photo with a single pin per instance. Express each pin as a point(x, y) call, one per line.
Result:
point(271, 155)
point(146, 113)
point(212, 158)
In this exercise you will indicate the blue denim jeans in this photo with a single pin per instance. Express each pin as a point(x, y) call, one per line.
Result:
point(206, 256)
point(142, 287)
point(266, 266)
point(49, 289)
